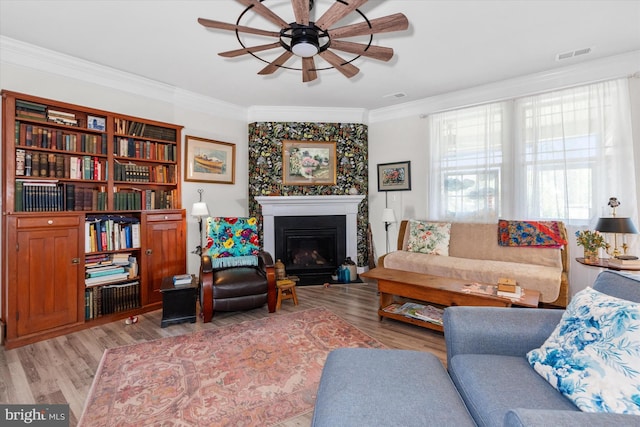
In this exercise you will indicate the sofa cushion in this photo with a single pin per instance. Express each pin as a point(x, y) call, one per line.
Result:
point(491, 385)
point(429, 237)
point(544, 279)
point(593, 355)
point(379, 387)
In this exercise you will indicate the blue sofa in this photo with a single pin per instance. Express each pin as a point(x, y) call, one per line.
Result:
point(486, 350)
point(489, 381)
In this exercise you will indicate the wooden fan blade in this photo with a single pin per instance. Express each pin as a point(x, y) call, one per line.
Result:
point(264, 11)
point(348, 70)
point(375, 52)
point(252, 49)
point(308, 69)
point(280, 60)
point(232, 27)
point(386, 24)
point(301, 11)
point(337, 11)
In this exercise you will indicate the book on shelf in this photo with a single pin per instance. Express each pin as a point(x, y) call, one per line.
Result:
point(101, 280)
point(104, 271)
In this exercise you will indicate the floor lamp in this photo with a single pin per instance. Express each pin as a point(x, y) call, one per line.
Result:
point(199, 210)
point(388, 217)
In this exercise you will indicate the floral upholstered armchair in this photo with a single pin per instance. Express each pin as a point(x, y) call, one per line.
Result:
point(235, 273)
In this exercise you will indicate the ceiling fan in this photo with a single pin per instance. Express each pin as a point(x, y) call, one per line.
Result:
point(307, 39)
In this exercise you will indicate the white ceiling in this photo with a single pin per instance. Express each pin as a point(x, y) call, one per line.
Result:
point(450, 44)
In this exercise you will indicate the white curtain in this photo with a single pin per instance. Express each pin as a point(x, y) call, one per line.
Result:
point(575, 151)
point(558, 155)
point(468, 149)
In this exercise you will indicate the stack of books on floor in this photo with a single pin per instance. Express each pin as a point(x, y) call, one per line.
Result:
point(428, 313)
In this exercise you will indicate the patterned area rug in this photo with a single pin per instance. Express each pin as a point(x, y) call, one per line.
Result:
point(258, 372)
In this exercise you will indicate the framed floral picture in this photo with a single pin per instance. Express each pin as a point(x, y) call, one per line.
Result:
point(394, 176)
point(209, 161)
point(308, 163)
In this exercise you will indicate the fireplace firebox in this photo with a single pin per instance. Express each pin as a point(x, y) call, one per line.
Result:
point(311, 247)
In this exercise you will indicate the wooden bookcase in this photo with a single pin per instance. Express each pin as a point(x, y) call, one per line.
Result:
point(85, 190)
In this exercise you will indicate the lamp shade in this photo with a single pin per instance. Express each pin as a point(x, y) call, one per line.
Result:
point(616, 225)
point(388, 216)
point(200, 209)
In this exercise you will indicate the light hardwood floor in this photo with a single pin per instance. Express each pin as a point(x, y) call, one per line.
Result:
point(61, 370)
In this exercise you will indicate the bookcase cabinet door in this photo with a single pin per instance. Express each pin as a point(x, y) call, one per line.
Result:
point(46, 270)
point(165, 253)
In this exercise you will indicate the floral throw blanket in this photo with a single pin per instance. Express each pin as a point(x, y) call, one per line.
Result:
point(529, 233)
point(232, 241)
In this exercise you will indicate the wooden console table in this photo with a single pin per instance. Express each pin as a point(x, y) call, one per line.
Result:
point(399, 285)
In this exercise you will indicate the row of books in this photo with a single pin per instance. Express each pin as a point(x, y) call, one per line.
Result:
point(30, 110)
point(42, 137)
point(104, 300)
point(427, 313)
point(49, 165)
point(52, 196)
point(129, 127)
point(111, 233)
point(131, 172)
point(130, 147)
point(136, 199)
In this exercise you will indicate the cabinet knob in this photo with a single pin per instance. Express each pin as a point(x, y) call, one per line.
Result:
point(149, 251)
point(50, 222)
point(166, 217)
point(75, 261)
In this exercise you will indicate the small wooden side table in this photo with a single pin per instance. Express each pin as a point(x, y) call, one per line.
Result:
point(178, 302)
point(286, 290)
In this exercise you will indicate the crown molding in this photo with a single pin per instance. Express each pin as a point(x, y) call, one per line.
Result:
point(17, 53)
point(611, 67)
point(264, 113)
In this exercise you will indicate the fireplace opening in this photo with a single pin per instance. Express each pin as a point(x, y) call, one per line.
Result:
point(311, 247)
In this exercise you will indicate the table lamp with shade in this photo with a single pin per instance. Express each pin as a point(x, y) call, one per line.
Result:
point(616, 225)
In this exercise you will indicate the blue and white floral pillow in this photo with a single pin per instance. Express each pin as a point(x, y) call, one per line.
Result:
point(429, 237)
point(593, 355)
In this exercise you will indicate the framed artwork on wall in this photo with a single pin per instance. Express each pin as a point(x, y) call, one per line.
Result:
point(394, 176)
point(308, 163)
point(209, 161)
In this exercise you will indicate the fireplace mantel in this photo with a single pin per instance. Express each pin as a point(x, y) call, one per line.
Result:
point(273, 206)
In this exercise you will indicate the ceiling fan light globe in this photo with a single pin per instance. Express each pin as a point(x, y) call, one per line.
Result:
point(304, 49)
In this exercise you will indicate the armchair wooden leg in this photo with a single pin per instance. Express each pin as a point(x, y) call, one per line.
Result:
point(272, 292)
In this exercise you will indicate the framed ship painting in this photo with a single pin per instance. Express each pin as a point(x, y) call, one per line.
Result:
point(209, 161)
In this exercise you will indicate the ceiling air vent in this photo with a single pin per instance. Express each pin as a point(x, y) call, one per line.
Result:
point(396, 95)
point(572, 54)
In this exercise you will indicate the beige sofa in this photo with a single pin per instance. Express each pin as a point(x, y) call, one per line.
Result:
point(474, 254)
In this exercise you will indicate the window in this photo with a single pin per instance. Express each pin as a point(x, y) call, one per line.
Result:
point(557, 155)
point(469, 148)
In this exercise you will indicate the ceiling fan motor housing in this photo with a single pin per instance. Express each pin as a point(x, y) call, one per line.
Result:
point(304, 40)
